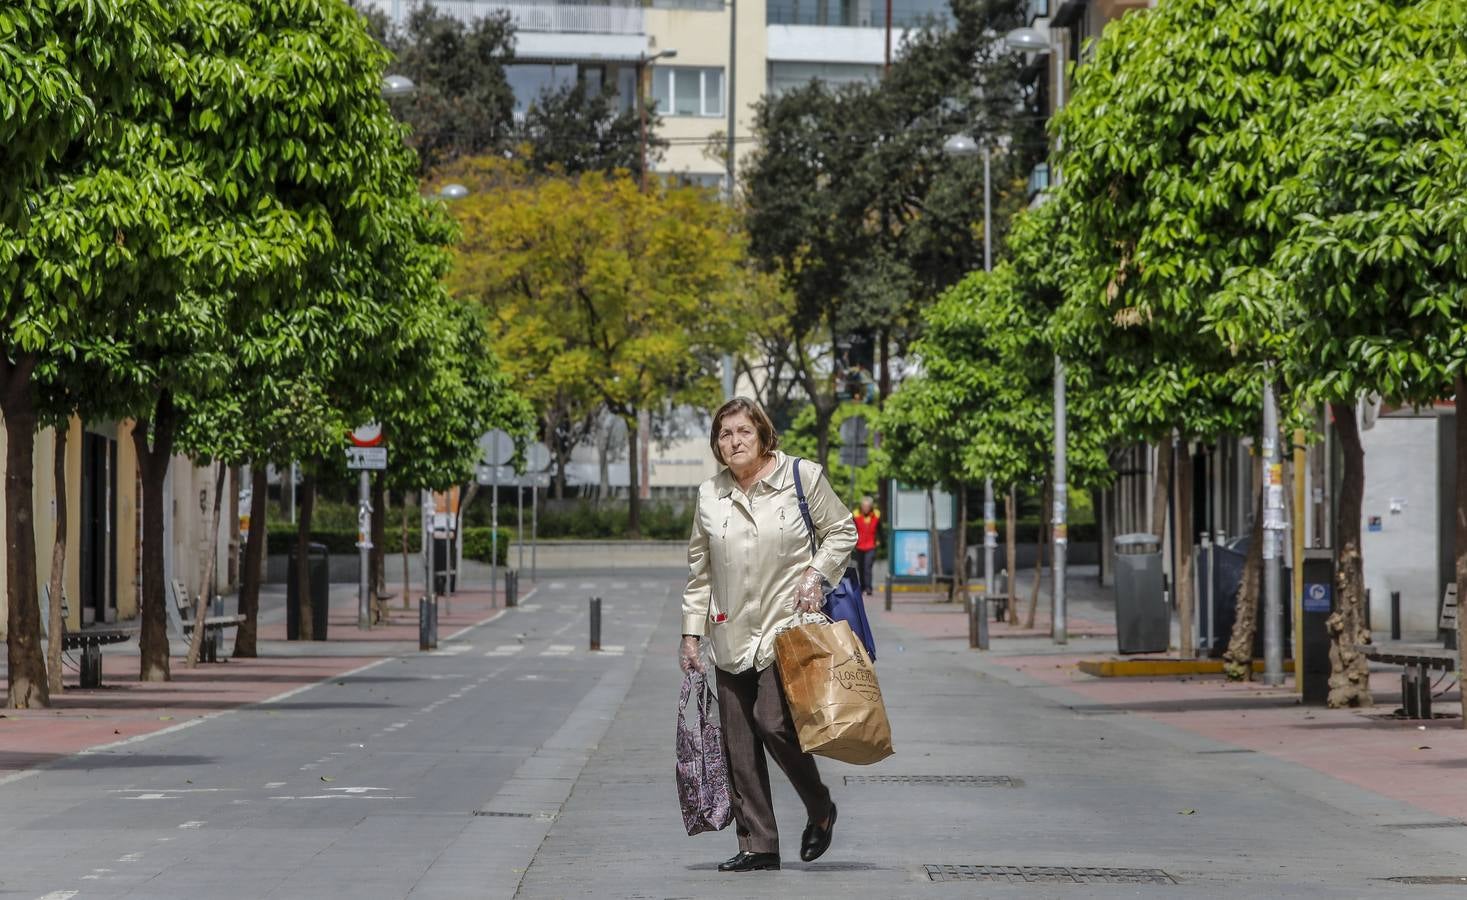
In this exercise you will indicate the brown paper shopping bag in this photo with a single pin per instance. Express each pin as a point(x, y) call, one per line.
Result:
point(832, 692)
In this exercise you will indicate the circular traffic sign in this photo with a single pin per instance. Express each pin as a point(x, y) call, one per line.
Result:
point(497, 445)
point(537, 457)
point(368, 435)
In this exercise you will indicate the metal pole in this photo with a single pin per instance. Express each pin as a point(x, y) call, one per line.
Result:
point(595, 623)
point(1273, 526)
point(494, 534)
point(290, 492)
point(534, 532)
point(427, 498)
point(733, 69)
point(364, 549)
point(1061, 535)
point(990, 516)
point(519, 528)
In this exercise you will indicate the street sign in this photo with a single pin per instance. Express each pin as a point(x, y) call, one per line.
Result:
point(368, 435)
point(853, 436)
point(498, 447)
point(366, 457)
point(537, 457)
point(485, 475)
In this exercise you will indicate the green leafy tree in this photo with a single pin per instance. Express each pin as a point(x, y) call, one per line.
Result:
point(851, 201)
point(577, 129)
point(463, 105)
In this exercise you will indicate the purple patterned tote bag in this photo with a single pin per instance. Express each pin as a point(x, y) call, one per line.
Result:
point(702, 772)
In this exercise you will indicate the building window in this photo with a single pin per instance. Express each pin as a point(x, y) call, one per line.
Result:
point(688, 91)
point(784, 76)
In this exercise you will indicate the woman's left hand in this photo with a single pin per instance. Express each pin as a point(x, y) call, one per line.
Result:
point(810, 592)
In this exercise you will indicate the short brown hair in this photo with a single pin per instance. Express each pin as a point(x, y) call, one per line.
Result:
point(768, 440)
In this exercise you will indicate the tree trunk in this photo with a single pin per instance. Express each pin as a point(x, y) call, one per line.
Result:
point(935, 563)
point(1183, 531)
point(1349, 679)
point(407, 602)
point(1163, 483)
point(154, 456)
point(25, 664)
point(377, 557)
point(302, 559)
point(1238, 658)
point(960, 548)
point(1461, 417)
point(231, 576)
point(211, 565)
point(824, 413)
point(1011, 551)
point(254, 555)
point(54, 625)
point(634, 486)
point(1039, 544)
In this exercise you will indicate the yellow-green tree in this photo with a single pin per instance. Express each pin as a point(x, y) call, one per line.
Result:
point(599, 294)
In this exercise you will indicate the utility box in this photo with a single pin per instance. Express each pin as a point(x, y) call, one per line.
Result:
point(1143, 619)
point(1315, 607)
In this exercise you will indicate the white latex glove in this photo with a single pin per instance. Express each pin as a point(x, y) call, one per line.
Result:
point(810, 592)
point(688, 658)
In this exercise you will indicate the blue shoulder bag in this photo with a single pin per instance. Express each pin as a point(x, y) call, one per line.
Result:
point(845, 602)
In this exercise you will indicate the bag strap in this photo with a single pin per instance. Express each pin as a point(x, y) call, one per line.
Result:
point(804, 507)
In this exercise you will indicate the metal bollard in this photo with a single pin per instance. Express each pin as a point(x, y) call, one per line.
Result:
point(595, 623)
point(433, 623)
point(888, 594)
point(511, 588)
point(977, 623)
point(1395, 615)
point(423, 643)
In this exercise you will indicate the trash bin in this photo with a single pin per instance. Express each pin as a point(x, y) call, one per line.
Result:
point(319, 563)
point(1143, 620)
point(445, 578)
point(1221, 598)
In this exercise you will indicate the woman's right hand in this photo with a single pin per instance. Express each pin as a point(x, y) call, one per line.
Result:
point(687, 657)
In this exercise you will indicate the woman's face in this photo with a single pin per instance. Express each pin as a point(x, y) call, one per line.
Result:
point(738, 440)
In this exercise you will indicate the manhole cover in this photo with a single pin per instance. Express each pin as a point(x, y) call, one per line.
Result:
point(502, 815)
point(1429, 879)
point(1047, 874)
point(953, 780)
point(1413, 825)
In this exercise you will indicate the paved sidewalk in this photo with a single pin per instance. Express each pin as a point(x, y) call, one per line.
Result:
point(1093, 786)
point(125, 708)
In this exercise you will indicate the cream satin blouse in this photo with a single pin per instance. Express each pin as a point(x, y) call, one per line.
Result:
point(747, 553)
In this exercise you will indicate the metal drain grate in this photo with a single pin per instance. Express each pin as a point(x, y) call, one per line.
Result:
point(503, 815)
point(951, 780)
point(1450, 823)
point(1047, 874)
point(1428, 879)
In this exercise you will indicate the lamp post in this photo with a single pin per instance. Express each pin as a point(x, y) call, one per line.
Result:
point(398, 86)
point(643, 63)
point(1031, 40)
point(961, 146)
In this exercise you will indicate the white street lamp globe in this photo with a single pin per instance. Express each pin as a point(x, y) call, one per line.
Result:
point(1027, 40)
point(398, 86)
point(960, 145)
point(453, 192)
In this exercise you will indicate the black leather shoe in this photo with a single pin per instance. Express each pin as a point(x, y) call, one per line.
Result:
point(817, 839)
point(746, 861)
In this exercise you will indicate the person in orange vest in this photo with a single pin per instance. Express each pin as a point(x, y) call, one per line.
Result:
point(868, 530)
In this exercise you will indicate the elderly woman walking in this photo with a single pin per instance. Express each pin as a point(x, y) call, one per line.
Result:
point(751, 574)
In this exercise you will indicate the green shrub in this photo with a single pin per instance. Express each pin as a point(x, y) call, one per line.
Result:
point(338, 541)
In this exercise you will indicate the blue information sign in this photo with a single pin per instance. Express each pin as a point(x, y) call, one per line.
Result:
point(1317, 598)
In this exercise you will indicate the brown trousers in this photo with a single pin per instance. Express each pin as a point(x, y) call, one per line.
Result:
point(755, 718)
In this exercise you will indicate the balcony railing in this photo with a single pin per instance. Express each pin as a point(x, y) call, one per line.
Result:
point(539, 15)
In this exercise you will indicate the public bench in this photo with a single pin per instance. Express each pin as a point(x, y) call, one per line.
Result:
point(1418, 660)
point(181, 616)
point(89, 640)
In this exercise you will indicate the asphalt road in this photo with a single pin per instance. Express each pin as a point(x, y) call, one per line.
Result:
point(425, 775)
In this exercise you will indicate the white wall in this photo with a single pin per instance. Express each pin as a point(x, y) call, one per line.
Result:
point(1401, 488)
